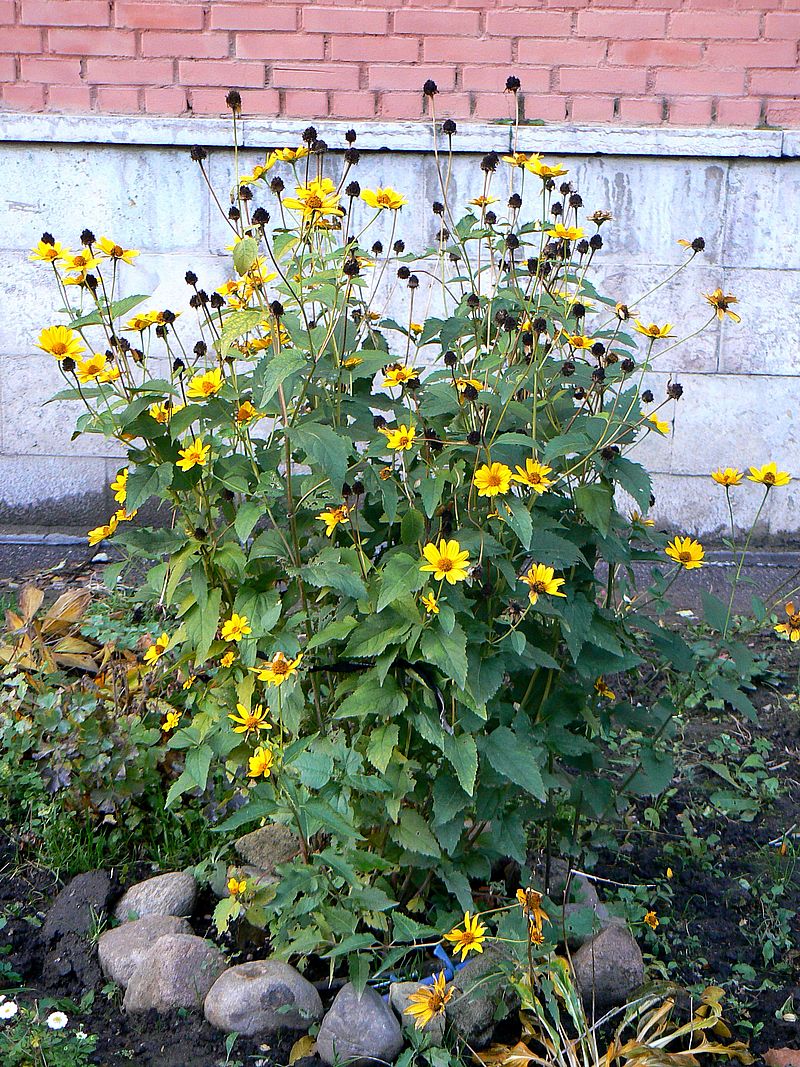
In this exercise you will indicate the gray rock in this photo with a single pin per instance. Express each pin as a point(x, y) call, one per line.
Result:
point(79, 905)
point(177, 972)
point(122, 949)
point(608, 968)
point(268, 846)
point(253, 998)
point(166, 894)
point(360, 1031)
point(481, 995)
point(400, 997)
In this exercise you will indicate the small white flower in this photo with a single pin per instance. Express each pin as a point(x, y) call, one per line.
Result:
point(81, 1035)
point(8, 1010)
point(57, 1020)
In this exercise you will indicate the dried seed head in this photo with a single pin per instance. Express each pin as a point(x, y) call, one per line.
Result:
point(260, 216)
point(353, 190)
point(429, 88)
point(234, 101)
point(198, 154)
point(513, 84)
point(277, 186)
point(309, 135)
point(473, 438)
point(87, 238)
point(448, 127)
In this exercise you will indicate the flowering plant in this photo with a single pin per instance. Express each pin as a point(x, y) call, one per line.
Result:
point(393, 558)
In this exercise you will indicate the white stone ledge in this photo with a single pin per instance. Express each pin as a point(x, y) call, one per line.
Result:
point(663, 141)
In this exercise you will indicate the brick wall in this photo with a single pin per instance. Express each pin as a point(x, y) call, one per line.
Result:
point(682, 62)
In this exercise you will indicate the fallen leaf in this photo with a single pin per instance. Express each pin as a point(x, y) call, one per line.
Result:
point(304, 1046)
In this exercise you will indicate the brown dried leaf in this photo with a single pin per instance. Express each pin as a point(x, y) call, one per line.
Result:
point(30, 600)
point(304, 1046)
point(67, 610)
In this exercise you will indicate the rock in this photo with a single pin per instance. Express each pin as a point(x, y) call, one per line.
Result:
point(177, 972)
point(400, 997)
point(122, 949)
point(166, 894)
point(262, 997)
point(479, 999)
point(268, 846)
point(70, 962)
point(608, 968)
point(79, 905)
point(361, 1031)
point(782, 1057)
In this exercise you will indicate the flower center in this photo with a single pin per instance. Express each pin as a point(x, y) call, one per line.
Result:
point(117, 251)
point(769, 478)
point(535, 478)
point(314, 202)
point(493, 479)
point(383, 199)
point(58, 348)
point(445, 564)
point(280, 666)
point(686, 557)
point(538, 587)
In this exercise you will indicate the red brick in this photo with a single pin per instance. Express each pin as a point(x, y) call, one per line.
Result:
point(65, 12)
point(743, 112)
point(782, 26)
point(24, 97)
point(69, 98)
point(19, 39)
point(359, 105)
point(627, 25)
point(409, 77)
point(400, 105)
point(431, 22)
point(255, 102)
point(279, 46)
point(722, 54)
point(129, 71)
point(118, 99)
point(592, 109)
point(49, 69)
point(700, 82)
point(602, 80)
point(553, 52)
point(305, 104)
point(193, 45)
point(648, 110)
point(8, 69)
point(493, 79)
point(330, 76)
point(456, 106)
point(783, 112)
point(7, 14)
point(713, 25)
point(465, 50)
point(690, 112)
point(92, 42)
point(374, 49)
point(344, 20)
point(528, 24)
point(772, 82)
point(158, 16)
point(215, 72)
point(550, 108)
point(169, 101)
point(655, 53)
point(492, 106)
point(258, 16)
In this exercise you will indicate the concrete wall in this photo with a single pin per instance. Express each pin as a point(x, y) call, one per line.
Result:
point(132, 179)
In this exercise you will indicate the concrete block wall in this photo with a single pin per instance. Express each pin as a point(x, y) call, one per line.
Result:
point(132, 179)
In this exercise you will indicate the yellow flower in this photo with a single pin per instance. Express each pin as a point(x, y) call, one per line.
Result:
point(100, 533)
point(791, 628)
point(447, 562)
point(483, 201)
point(189, 682)
point(227, 659)
point(352, 362)
point(624, 312)
point(61, 342)
point(278, 669)
point(653, 330)
point(431, 603)
point(120, 486)
point(727, 476)
point(49, 253)
point(170, 721)
point(769, 475)
point(492, 479)
point(109, 374)
point(637, 517)
point(194, 455)
point(721, 303)
point(462, 383)
point(79, 261)
point(603, 690)
point(248, 720)
point(140, 322)
point(415, 327)
point(670, 873)
point(246, 413)
point(397, 374)
point(531, 903)
point(236, 887)
point(599, 217)
point(202, 386)
point(89, 370)
point(517, 159)
point(541, 580)
point(260, 763)
point(401, 438)
point(157, 649)
point(534, 475)
point(535, 166)
point(662, 427)
point(429, 1002)
point(286, 155)
point(383, 198)
point(235, 628)
point(686, 551)
point(560, 232)
point(316, 200)
point(162, 412)
point(578, 340)
point(115, 251)
point(651, 919)
point(332, 517)
point(121, 515)
point(470, 939)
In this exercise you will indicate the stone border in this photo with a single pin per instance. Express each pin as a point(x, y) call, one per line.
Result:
point(664, 141)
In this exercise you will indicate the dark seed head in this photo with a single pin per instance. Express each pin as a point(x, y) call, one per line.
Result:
point(277, 186)
point(598, 349)
point(309, 135)
point(352, 156)
point(489, 162)
point(595, 242)
point(350, 136)
point(628, 365)
point(450, 359)
point(276, 307)
point(178, 366)
point(429, 88)
point(190, 277)
point(403, 273)
point(513, 84)
point(448, 127)
point(398, 247)
point(234, 101)
point(674, 390)
point(473, 300)
point(260, 216)
point(87, 237)
point(68, 363)
point(353, 190)
point(698, 244)
point(200, 348)
point(647, 397)
point(413, 282)
point(473, 438)
point(217, 301)
point(378, 422)
point(234, 214)
point(490, 218)
point(377, 248)
point(568, 368)
point(437, 207)
point(470, 392)
point(515, 201)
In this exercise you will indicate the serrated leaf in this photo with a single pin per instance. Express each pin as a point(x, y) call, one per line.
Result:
point(516, 514)
point(325, 448)
point(245, 253)
point(146, 482)
point(415, 835)
point(282, 366)
point(370, 695)
point(400, 576)
point(515, 759)
point(381, 745)
point(235, 325)
point(596, 502)
point(462, 752)
point(447, 651)
point(247, 516)
point(327, 569)
point(412, 527)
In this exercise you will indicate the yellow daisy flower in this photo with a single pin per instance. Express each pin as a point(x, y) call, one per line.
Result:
point(727, 476)
point(686, 551)
point(61, 342)
point(660, 425)
point(315, 201)
point(171, 721)
point(79, 261)
point(46, 252)
point(402, 438)
point(260, 763)
point(535, 166)
point(383, 199)
point(651, 919)
point(541, 581)
point(236, 887)
point(560, 232)
point(769, 475)
point(100, 533)
point(721, 303)
point(470, 939)
point(120, 486)
point(163, 411)
point(790, 628)
point(332, 517)
point(227, 659)
point(516, 159)
point(248, 720)
point(91, 369)
point(397, 374)
point(492, 479)
point(483, 201)
point(653, 330)
point(429, 1002)
point(447, 562)
point(246, 413)
point(602, 689)
point(114, 251)
point(430, 603)
point(203, 386)
point(194, 455)
point(278, 669)
point(157, 649)
point(235, 628)
point(534, 475)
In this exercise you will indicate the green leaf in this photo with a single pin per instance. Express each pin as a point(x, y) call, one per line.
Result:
point(315, 769)
point(329, 818)
point(145, 482)
point(716, 613)
point(119, 307)
point(286, 363)
point(596, 502)
point(414, 835)
point(633, 478)
point(400, 576)
point(375, 634)
point(412, 527)
point(325, 448)
point(247, 516)
point(235, 325)
point(334, 631)
point(327, 569)
point(245, 253)
point(516, 759)
point(462, 752)
point(406, 929)
point(518, 518)
point(201, 627)
point(389, 699)
point(431, 491)
point(447, 651)
point(381, 745)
